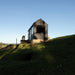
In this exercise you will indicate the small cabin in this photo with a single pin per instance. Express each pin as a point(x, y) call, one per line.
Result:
point(38, 32)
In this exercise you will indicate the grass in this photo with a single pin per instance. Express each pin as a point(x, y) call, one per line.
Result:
point(2, 45)
point(55, 57)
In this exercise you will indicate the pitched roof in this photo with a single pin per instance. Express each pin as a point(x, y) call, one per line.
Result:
point(39, 20)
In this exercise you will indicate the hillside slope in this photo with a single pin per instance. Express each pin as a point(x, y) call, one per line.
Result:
point(55, 57)
point(2, 45)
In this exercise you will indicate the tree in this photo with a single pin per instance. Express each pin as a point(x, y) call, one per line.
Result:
point(23, 37)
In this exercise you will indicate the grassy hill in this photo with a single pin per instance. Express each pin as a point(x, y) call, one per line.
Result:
point(55, 57)
point(2, 45)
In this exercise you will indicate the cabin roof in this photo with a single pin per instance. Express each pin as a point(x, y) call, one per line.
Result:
point(39, 20)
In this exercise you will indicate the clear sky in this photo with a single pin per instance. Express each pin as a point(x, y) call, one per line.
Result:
point(16, 17)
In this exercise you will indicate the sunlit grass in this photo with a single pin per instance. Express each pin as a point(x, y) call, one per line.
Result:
point(5, 52)
point(2, 46)
point(21, 47)
point(24, 46)
point(39, 47)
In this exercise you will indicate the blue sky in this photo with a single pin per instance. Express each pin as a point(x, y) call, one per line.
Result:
point(16, 17)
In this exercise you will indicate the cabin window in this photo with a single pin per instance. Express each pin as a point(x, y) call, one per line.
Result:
point(40, 29)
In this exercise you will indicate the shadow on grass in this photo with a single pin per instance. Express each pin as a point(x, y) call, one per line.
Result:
point(55, 57)
point(63, 51)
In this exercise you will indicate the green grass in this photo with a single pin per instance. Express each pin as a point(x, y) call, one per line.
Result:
point(2, 45)
point(55, 57)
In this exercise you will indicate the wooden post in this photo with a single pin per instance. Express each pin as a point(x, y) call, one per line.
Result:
point(16, 41)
